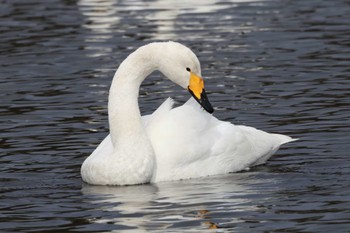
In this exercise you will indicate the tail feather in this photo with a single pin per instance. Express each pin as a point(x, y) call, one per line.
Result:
point(285, 139)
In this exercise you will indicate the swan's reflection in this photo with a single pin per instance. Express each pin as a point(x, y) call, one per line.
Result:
point(161, 205)
point(128, 199)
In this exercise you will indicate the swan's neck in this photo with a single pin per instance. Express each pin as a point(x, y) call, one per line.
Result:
point(123, 109)
point(133, 155)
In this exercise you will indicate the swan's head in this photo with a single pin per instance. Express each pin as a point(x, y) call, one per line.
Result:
point(182, 66)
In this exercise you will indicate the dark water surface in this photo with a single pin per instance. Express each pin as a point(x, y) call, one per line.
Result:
point(280, 66)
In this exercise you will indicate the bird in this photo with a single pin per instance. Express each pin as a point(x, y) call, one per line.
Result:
point(172, 143)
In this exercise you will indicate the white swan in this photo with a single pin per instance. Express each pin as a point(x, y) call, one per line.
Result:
point(172, 143)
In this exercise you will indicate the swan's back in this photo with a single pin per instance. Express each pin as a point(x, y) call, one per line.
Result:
point(189, 142)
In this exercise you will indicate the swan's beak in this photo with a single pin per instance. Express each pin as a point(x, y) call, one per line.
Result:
point(196, 88)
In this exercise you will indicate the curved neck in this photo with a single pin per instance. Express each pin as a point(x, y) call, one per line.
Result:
point(123, 109)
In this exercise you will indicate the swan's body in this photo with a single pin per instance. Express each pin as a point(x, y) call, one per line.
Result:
point(172, 143)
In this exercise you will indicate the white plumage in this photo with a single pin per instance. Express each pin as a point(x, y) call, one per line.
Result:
point(172, 143)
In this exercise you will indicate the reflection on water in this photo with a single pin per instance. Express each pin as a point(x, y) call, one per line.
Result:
point(100, 16)
point(165, 205)
point(275, 65)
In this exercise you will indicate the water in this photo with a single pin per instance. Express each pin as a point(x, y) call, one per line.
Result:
point(280, 66)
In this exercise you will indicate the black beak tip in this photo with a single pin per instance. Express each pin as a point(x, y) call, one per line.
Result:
point(203, 101)
point(208, 108)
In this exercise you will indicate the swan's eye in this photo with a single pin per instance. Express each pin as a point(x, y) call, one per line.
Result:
point(188, 69)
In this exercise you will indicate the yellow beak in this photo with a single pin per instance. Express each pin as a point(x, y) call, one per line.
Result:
point(196, 88)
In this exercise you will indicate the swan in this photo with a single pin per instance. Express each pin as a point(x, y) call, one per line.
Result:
point(171, 143)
